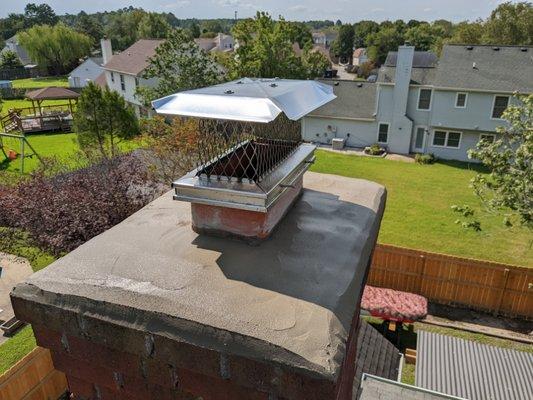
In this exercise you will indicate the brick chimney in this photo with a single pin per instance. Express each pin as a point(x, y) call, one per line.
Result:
point(152, 309)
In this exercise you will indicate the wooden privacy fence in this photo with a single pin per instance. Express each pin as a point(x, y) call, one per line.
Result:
point(481, 285)
point(33, 378)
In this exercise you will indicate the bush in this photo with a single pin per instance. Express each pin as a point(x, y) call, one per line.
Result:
point(374, 150)
point(425, 158)
point(61, 212)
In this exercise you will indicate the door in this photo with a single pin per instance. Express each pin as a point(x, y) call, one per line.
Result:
point(419, 139)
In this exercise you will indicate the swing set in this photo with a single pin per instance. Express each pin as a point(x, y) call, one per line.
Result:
point(12, 154)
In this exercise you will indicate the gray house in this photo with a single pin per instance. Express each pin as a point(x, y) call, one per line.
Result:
point(422, 104)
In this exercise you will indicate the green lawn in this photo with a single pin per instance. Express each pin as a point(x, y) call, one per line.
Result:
point(30, 83)
point(418, 213)
point(16, 347)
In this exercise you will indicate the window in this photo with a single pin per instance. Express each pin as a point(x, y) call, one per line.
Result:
point(122, 83)
point(447, 139)
point(439, 138)
point(487, 137)
point(136, 82)
point(499, 106)
point(383, 133)
point(424, 99)
point(112, 77)
point(460, 100)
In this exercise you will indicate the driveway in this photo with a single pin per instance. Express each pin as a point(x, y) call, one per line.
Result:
point(13, 270)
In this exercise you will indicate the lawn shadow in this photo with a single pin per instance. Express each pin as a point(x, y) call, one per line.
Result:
point(477, 167)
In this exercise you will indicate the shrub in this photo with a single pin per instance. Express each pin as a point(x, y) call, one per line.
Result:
point(61, 212)
point(425, 158)
point(374, 150)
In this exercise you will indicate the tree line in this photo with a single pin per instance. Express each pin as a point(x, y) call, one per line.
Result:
point(508, 24)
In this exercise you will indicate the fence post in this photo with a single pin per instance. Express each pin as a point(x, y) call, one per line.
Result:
point(500, 301)
point(422, 273)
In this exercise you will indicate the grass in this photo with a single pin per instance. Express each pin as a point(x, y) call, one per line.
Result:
point(418, 213)
point(16, 348)
point(31, 83)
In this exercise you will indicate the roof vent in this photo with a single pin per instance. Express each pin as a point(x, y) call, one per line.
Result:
point(496, 48)
point(336, 83)
point(359, 85)
point(229, 92)
point(524, 49)
point(474, 65)
point(470, 47)
point(273, 85)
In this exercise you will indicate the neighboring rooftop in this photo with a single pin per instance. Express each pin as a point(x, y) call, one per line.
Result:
point(423, 72)
point(355, 100)
point(375, 355)
point(486, 67)
point(134, 59)
point(376, 388)
point(52, 93)
point(472, 370)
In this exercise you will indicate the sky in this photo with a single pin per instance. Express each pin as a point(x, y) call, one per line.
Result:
point(301, 10)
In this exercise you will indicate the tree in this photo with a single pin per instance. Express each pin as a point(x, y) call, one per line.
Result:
point(103, 120)
point(508, 188)
point(380, 43)
point(301, 34)
point(153, 26)
point(467, 33)
point(89, 26)
point(314, 63)
point(265, 49)
point(9, 59)
point(122, 27)
point(179, 64)
point(510, 24)
point(343, 45)
point(195, 30)
point(361, 31)
point(41, 14)
point(57, 48)
point(424, 36)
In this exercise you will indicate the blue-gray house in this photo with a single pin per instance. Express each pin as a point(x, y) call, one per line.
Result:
point(423, 104)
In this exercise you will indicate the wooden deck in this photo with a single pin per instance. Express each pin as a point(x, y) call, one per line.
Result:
point(33, 120)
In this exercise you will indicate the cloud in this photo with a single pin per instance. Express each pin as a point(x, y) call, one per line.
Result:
point(178, 4)
point(428, 9)
point(298, 8)
point(236, 4)
point(376, 10)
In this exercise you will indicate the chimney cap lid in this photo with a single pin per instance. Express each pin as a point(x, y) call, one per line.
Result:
point(253, 100)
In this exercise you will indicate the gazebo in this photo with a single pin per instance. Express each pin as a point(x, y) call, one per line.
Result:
point(51, 93)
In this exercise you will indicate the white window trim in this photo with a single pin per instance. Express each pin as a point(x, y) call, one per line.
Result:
point(424, 137)
point(457, 98)
point(487, 134)
point(494, 102)
point(388, 132)
point(430, 99)
point(445, 146)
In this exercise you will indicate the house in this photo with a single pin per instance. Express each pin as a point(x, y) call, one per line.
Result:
point(13, 44)
point(360, 56)
point(86, 72)
point(221, 42)
point(123, 71)
point(422, 104)
point(324, 38)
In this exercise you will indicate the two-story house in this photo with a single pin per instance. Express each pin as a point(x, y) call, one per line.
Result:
point(221, 42)
point(421, 104)
point(123, 71)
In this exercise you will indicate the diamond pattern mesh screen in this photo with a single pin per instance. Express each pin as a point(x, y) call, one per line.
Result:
point(244, 150)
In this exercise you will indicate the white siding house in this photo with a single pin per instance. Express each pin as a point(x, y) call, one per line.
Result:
point(421, 104)
point(123, 71)
point(86, 72)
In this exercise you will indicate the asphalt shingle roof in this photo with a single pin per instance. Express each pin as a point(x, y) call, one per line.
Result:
point(508, 69)
point(423, 72)
point(375, 356)
point(354, 100)
point(134, 59)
